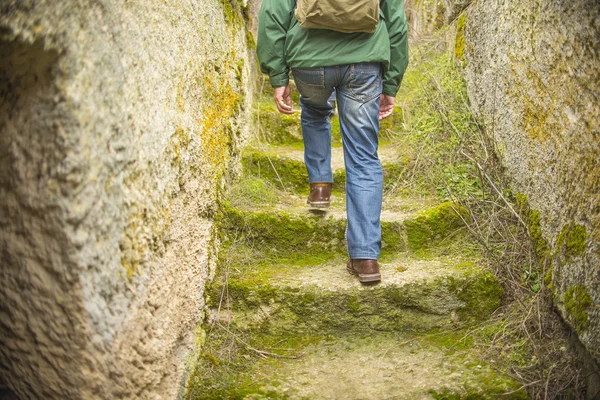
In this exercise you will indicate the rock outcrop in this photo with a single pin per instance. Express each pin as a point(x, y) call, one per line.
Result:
point(118, 123)
point(533, 75)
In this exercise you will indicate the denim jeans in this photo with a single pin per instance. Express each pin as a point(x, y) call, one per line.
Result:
point(358, 89)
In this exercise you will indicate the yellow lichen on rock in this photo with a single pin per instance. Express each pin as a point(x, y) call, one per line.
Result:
point(459, 41)
point(221, 101)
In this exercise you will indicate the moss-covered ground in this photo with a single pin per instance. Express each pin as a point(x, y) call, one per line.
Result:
point(286, 321)
point(435, 366)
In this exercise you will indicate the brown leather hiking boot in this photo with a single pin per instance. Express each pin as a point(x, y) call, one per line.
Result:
point(366, 270)
point(320, 194)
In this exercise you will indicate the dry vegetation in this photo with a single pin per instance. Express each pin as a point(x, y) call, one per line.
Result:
point(455, 159)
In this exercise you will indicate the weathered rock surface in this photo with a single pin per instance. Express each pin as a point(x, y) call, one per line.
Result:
point(533, 74)
point(118, 122)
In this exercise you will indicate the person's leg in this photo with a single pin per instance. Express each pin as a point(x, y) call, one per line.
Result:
point(316, 129)
point(358, 97)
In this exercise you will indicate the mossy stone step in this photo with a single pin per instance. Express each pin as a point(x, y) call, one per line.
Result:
point(414, 295)
point(373, 366)
point(388, 154)
point(275, 127)
point(283, 234)
point(253, 194)
point(279, 232)
point(286, 169)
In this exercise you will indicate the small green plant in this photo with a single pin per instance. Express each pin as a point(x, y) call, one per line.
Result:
point(459, 180)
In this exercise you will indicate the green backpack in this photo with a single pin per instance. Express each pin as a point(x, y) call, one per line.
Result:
point(346, 16)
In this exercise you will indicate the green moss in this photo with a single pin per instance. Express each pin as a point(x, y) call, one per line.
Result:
point(284, 173)
point(548, 277)
point(280, 234)
point(339, 181)
point(481, 294)
point(354, 304)
point(465, 265)
point(392, 240)
point(233, 12)
point(392, 174)
point(222, 101)
point(291, 175)
point(434, 224)
point(287, 236)
point(250, 41)
point(572, 240)
point(221, 371)
point(577, 302)
point(240, 374)
point(256, 280)
point(251, 190)
point(533, 218)
point(535, 231)
point(275, 127)
point(450, 341)
point(239, 71)
point(459, 41)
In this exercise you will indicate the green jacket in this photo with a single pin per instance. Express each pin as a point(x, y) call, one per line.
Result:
point(283, 44)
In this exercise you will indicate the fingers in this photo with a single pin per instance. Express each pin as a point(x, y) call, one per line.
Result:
point(385, 112)
point(285, 108)
point(284, 105)
point(283, 101)
point(386, 106)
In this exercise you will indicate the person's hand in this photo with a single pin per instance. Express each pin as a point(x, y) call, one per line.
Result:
point(386, 106)
point(283, 101)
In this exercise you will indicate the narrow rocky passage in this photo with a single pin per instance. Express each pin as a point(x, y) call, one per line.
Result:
point(139, 259)
point(287, 321)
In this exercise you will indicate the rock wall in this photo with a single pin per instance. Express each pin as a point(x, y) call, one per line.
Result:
point(533, 74)
point(119, 122)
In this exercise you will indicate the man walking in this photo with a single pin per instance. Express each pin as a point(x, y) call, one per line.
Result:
point(365, 69)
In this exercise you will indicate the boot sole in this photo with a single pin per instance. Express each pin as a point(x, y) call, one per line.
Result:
point(319, 204)
point(369, 278)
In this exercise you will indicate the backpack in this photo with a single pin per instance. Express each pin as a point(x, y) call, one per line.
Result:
point(346, 16)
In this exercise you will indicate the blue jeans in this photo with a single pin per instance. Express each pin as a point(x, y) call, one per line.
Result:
point(358, 89)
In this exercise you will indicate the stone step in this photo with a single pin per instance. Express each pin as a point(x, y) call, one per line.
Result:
point(275, 127)
point(278, 232)
point(369, 367)
point(415, 295)
point(388, 154)
point(284, 167)
point(253, 194)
